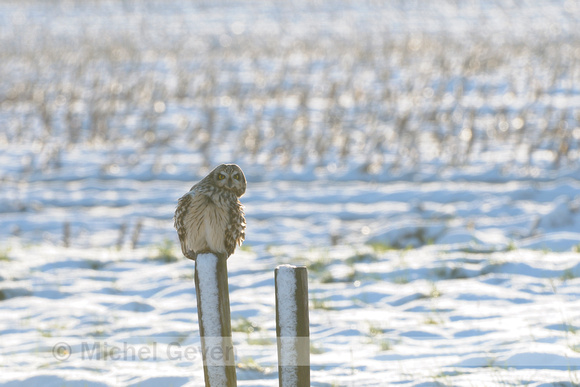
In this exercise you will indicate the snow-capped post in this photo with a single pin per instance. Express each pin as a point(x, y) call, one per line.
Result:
point(292, 326)
point(213, 311)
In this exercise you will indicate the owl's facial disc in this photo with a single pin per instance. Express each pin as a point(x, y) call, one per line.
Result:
point(231, 178)
point(229, 181)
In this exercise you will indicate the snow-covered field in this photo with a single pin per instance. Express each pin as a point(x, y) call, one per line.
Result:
point(438, 314)
point(422, 160)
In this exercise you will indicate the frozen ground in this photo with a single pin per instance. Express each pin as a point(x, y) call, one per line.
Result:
point(421, 160)
point(444, 314)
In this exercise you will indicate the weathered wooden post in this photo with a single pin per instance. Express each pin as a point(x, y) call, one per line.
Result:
point(292, 326)
point(213, 311)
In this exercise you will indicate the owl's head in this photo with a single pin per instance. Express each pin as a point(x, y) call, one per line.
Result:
point(230, 177)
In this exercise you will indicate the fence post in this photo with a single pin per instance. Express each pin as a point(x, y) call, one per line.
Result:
point(213, 311)
point(292, 326)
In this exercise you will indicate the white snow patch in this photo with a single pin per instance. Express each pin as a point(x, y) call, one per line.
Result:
point(287, 308)
point(207, 272)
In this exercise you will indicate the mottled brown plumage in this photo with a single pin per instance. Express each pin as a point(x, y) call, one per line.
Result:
point(210, 218)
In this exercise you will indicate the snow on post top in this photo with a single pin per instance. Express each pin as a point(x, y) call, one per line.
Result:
point(287, 309)
point(206, 265)
point(286, 299)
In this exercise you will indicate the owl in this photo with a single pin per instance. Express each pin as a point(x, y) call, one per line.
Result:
point(210, 218)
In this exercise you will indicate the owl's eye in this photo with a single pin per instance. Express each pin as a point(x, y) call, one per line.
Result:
point(237, 176)
point(221, 176)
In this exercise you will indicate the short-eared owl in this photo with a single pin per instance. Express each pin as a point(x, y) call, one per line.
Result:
point(210, 218)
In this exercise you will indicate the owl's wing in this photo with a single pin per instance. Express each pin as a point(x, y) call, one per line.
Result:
point(236, 231)
point(183, 205)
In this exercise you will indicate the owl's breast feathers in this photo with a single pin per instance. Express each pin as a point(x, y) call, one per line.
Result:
point(208, 220)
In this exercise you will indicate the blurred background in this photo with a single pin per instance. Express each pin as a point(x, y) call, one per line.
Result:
point(111, 110)
point(421, 158)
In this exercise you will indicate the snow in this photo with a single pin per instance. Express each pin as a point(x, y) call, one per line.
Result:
point(286, 309)
point(286, 290)
point(441, 312)
point(206, 265)
point(432, 260)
